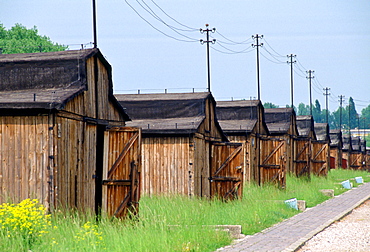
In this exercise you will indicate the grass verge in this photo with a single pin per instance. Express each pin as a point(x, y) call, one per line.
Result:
point(177, 223)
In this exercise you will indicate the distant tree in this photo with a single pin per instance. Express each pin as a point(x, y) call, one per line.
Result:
point(303, 109)
point(19, 39)
point(269, 105)
point(317, 113)
point(365, 117)
point(353, 122)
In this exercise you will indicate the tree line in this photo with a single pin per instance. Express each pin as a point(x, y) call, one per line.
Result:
point(345, 117)
point(19, 39)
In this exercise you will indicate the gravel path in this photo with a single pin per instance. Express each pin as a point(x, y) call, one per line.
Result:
point(352, 233)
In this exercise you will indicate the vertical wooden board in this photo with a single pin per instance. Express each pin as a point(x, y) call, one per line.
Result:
point(25, 161)
point(145, 172)
point(190, 165)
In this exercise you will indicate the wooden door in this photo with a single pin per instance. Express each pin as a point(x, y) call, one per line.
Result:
point(302, 161)
point(320, 158)
point(121, 171)
point(227, 165)
point(272, 168)
point(356, 160)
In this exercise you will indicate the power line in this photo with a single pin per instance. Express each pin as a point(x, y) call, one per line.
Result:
point(155, 28)
point(190, 28)
point(232, 42)
point(246, 50)
point(278, 55)
point(277, 60)
point(153, 14)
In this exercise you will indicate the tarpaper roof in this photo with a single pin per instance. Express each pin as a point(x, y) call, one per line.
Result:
point(335, 138)
point(278, 120)
point(171, 113)
point(238, 116)
point(46, 80)
point(347, 145)
point(322, 131)
point(305, 125)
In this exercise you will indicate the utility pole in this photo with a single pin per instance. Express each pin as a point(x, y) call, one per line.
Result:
point(94, 24)
point(327, 109)
point(257, 45)
point(310, 73)
point(207, 41)
point(341, 100)
point(291, 62)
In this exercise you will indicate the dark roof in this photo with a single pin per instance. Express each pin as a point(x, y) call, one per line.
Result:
point(278, 120)
point(47, 80)
point(305, 125)
point(335, 138)
point(322, 131)
point(171, 113)
point(347, 145)
point(238, 116)
point(356, 143)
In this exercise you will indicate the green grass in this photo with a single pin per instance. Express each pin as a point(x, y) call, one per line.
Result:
point(177, 223)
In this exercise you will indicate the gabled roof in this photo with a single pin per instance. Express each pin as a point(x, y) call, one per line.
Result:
point(363, 145)
point(239, 116)
point(47, 80)
point(335, 138)
point(322, 131)
point(278, 120)
point(347, 143)
point(171, 113)
point(356, 143)
point(305, 125)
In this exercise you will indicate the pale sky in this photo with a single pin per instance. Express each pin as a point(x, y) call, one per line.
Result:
point(331, 37)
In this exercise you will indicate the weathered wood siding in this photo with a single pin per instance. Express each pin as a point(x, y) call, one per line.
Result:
point(302, 154)
point(357, 161)
point(121, 171)
point(227, 170)
point(175, 173)
point(347, 157)
point(337, 154)
point(24, 158)
point(250, 170)
point(272, 168)
point(97, 96)
point(320, 161)
point(367, 161)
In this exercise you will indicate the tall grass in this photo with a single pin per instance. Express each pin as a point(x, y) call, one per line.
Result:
point(178, 223)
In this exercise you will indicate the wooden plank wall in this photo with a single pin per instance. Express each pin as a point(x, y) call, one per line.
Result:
point(337, 154)
point(248, 154)
point(167, 165)
point(357, 159)
point(302, 155)
point(367, 161)
point(346, 156)
point(273, 162)
point(75, 163)
point(320, 160)
point(24, 156)
point(114, 143)
point(231, 175)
